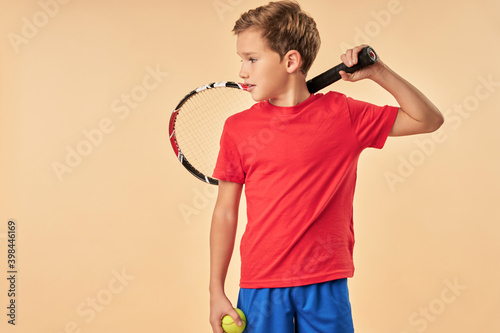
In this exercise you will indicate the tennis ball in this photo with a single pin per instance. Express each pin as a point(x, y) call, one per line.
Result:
point(229, 326)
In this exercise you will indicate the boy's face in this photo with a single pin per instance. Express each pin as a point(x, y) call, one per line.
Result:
point(261, 67)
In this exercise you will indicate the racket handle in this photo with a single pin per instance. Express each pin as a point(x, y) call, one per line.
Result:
point(366, 56)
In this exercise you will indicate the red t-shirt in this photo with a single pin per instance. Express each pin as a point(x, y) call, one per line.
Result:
point(299, 165)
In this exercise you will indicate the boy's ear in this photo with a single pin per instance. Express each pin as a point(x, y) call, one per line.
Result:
point(293, 61)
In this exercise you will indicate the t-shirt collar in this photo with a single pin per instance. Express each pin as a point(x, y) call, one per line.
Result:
point(290, 109)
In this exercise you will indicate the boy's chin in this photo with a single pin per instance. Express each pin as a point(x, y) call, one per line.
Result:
point(258, 98)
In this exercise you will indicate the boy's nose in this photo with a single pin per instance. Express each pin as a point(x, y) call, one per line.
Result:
point(243, 73)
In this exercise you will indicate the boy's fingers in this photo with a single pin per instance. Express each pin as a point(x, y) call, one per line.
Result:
point(355, 57)
point(350, 57)
point(355, 52)
point(347, 58)
point(217, 324)
point(345, 76)
point(217, 328)
point(236, 317)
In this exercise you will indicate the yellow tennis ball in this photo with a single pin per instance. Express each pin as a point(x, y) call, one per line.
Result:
point(229, 326)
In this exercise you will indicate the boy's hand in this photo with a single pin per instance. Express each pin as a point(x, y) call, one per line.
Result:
point(219, 307)
point(350, 58)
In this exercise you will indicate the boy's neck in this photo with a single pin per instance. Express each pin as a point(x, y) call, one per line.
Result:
point(295, 94)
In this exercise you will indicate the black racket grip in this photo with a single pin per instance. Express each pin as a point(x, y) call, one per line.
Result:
point(366, 56)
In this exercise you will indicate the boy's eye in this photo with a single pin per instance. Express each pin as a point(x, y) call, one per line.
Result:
point(252, 60)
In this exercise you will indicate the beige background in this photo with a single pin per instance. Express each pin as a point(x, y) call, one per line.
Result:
point(118, 242)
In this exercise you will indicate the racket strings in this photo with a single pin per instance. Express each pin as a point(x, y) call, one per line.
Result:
point(200, 122)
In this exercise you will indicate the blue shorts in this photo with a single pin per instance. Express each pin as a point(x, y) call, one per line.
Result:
point(322, 308)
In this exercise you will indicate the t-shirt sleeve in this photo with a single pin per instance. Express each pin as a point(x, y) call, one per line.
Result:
point(228, 166)
point(371, 123)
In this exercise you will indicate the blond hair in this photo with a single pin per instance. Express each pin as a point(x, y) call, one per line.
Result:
point(285, 27)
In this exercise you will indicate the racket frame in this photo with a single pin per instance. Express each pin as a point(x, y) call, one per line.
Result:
point(171, 128)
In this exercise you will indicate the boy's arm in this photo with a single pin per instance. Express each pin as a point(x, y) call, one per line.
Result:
point(417, 114)
point(222, 239)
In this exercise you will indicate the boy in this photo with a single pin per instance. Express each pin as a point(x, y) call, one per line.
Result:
point(297, 154)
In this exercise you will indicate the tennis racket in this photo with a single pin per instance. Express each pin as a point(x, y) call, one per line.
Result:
point(196, 123)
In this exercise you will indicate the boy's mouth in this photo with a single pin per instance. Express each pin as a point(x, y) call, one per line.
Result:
point(248, 86)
